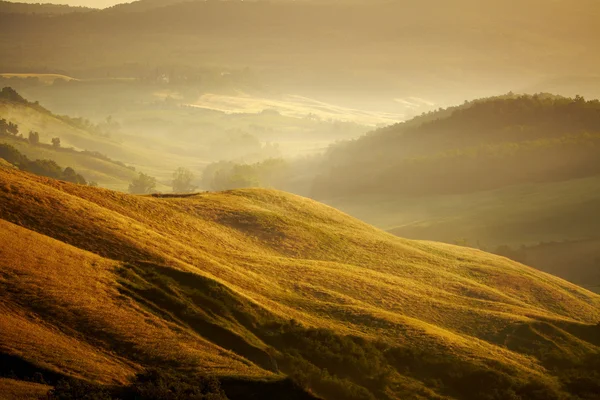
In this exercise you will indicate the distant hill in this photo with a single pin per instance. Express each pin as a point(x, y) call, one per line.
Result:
point(569, 85)
point(145, 5)
point(513, 171)
point(393, 47)
point(47, 9)
point(486, 145)
point(253, 285)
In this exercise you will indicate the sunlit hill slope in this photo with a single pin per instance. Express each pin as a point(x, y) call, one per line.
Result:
point(79, 148)
point(258, 284)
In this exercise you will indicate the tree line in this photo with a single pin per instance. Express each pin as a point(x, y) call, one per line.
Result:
point(10, 129)
point(46, 168)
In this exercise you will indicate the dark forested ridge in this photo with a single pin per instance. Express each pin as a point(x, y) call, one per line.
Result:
point(484, 145)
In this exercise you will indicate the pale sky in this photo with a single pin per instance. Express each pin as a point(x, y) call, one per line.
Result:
point(86, 3)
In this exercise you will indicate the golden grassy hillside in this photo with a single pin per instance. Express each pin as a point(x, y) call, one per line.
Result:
point(97, 169)
point(11, 389)
point(49, 126)
point(79, 147)
point(98, 284)
point(106, 173)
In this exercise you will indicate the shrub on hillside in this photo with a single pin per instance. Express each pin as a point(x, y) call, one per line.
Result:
point(34, 137)
point(182, 181)
point(8, 128)
point(10, 94)
point(143, 184)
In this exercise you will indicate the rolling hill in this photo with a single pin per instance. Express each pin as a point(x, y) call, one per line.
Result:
point(46, 9)
point(513, 171)
point(254, 285)
point(308, 45)
point(82, 145)
point(31, 116)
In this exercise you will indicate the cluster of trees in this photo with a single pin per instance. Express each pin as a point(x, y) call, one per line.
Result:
point(348, 367)
point(8, 128)
point(105, 128)
point(34, 138)
point(237, 144)
point(226, 175)
point(183, 182)
point(46, 168)
point(11, 95)
point(149, 385)
point(333, 365)
point(143, 184)
point(8, 94)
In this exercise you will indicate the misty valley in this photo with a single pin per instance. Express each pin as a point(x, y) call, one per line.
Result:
point(309, 199)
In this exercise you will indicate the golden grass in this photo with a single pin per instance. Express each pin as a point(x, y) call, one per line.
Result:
point(63, 288)
point(292, 256)
point(18, 390)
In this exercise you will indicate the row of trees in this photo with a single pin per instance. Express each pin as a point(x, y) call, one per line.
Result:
point(34, 139)
point(226, 175)
point(8, 128)
point(46, 168)
point(105, 128)
point(223, 175)
point(182, 182)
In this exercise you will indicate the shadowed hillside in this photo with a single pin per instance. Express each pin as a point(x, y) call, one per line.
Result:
point(255, 284)
point(35, 132)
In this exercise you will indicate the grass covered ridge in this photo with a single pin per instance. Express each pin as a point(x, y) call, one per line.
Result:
point(257, 284)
